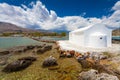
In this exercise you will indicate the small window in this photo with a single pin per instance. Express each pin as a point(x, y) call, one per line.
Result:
point(100, 37)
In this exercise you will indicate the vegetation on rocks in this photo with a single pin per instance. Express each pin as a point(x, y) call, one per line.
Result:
point(64, 71)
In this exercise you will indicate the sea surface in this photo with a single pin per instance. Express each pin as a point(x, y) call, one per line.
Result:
point(9, 42)
point(55, 38)
point(116, 37)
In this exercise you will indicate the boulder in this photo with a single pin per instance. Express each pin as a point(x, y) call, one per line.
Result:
point(85, 63)
point(38, 46)
point(98, 56)
point(62, 55)
point(30, 47)
point(19, 64)
point(103, 68)
point(44, 49)
point(4, 53)
point(72, 52)
point(3, 62)
point(68, 55)
point(50, 61)
point(89, 75)
point(105, 76)
point(29, 58)
point(25, 49)
point(40, 51)
point(48, 47)
point(103, 57)
point(18, 51)
point(94, 75)
point(79, 59)
point(95, 56)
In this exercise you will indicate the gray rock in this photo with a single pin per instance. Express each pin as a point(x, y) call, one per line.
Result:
point(18, 65)
point(97, 56)
point(48, 47)
point(103, 56)
point(44, 49)
point(40, 51)
point(3, 62)
point(89, 75)
point(62, 55)
point(94, 75)
point(79, 59)
point(38, 46)
point(50, 61)
point(85, 63)
point(105, 76)
point(4, 53)
point(28, 58)
point(30, 47)
point(68, 55)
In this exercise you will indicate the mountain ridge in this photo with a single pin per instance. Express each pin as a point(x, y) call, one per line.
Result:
point(9, 27)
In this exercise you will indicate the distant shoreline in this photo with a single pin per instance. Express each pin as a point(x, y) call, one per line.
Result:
point(116, 41)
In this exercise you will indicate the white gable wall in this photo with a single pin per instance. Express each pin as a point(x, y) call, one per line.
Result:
point(91, 36)
point(101, 31)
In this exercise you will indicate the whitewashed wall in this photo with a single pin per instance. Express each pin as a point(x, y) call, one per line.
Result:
point(98, 29)
point(77, 38)
point(81, 38)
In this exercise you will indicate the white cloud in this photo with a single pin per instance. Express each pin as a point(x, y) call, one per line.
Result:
point(35, 17)
point(39, 17)
point(116, 6)
point(113, 21)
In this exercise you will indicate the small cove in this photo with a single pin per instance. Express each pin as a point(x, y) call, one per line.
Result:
point(9, 42)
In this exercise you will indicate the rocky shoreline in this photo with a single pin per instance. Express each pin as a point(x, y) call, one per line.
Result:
point(50, 60)
point(99, 61)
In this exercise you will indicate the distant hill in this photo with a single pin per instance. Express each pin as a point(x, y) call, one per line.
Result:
point(116, 32)
point(8, 27)
point(59, 31)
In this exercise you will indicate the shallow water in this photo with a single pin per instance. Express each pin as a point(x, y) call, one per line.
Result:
point(55, 38)
point(116, 37)
point(9, 42)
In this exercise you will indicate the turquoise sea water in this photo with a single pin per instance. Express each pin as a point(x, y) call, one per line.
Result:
point(55, 38)
point(9, 42)
point(116, 37)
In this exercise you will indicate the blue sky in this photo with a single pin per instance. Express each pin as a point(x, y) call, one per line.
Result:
point(60, 14)
point(86, 8)
point(92, 8)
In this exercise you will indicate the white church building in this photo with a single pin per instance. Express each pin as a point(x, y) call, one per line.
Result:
point(97, 36)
